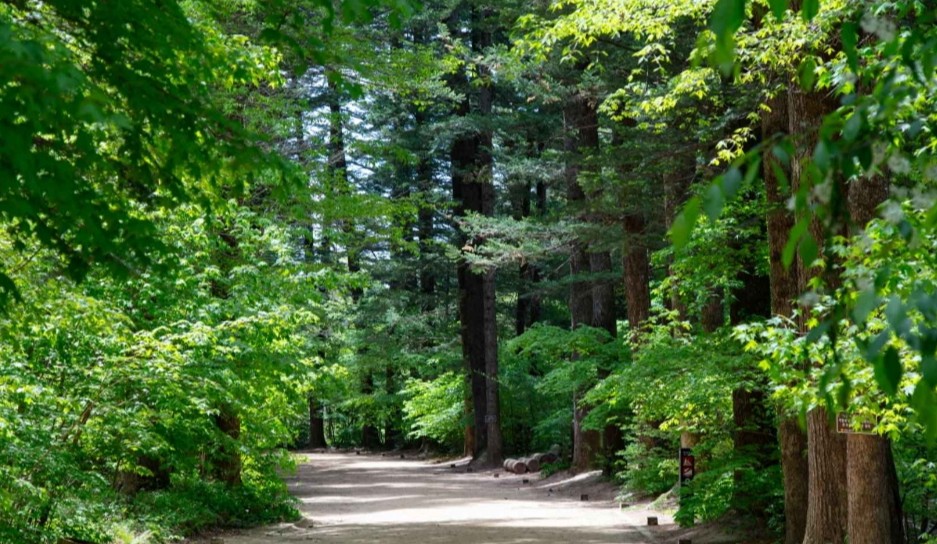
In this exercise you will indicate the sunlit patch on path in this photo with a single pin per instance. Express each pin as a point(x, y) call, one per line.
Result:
point(356, 499)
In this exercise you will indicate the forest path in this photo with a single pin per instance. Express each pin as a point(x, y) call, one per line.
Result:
point(351, 499)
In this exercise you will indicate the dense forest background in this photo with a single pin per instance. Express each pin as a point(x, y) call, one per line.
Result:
point(622, 227)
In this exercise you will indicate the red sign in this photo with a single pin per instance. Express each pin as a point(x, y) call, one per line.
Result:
point(687, 465)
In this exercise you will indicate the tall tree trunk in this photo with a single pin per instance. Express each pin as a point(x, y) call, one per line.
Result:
point(581, 139)
point(473, 190)
point(826, 450)
point(425, 219)
point(874, 502)
point(784, 291)
point(481, 41)
point(603, 316)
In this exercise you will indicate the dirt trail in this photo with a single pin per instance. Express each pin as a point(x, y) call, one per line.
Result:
point(345, 498)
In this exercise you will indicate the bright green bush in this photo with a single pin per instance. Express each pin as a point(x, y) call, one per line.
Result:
point(433, 409)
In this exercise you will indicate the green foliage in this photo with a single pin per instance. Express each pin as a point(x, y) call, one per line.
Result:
point(882, 127)
point(434, 409)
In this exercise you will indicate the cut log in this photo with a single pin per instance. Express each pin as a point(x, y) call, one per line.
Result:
point(532, 464)
point(549, 457)
point(518, 467)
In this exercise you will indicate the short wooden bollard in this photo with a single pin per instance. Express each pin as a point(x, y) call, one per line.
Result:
point(452, 465)
point(525, 481)
point(584, 497)
point(652, 520)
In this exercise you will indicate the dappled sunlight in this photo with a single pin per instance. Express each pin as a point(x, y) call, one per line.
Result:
point(357, 499)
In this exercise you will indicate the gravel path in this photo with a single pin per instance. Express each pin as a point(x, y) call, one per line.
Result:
point(350, 499)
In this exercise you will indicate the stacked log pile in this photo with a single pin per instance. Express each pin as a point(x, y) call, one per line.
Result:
point(532, 463)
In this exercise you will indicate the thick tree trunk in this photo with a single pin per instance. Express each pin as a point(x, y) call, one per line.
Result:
point(581, 139)
point(228, 463)
point(826, 502)
point(603, 316)
point(784, 292)
point(481, 40)
point(795, 467)
point(316, 425)
point(874, 501)
point(473, 190)
point(826, 453)
point(875, 515)
point(603, 293)
point(637, 271)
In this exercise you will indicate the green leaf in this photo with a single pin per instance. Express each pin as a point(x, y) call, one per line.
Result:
point(875, 346)
point(865, 303)
point(713, 201)
point(800, 228)
point(778, 7)
point(807, 73)
point(809, 9)
point(924, 402)
point(853, 126)
point(888, 371)
point(929, 369)
point(818, 332)
point(808, 249)
point(850, 37)
point(727, 17)
point(684, 223)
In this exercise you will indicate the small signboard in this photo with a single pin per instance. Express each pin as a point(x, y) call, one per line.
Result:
point(844, 424)
point(687, 465)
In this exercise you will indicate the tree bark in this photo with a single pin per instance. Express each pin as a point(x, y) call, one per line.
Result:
point(677, 181)
point(637, 271)
point(874, 501)
point(473, 190)
point(826, 453)
point(875, 515)
point(784, 292)
point(228, 463)
point(826, 499)
point(425, 221)
point(316, 425)
point(370, 435)
point(581, 138)
point(796, 469)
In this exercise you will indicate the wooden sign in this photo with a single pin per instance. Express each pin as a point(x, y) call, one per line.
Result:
point(844, 424)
